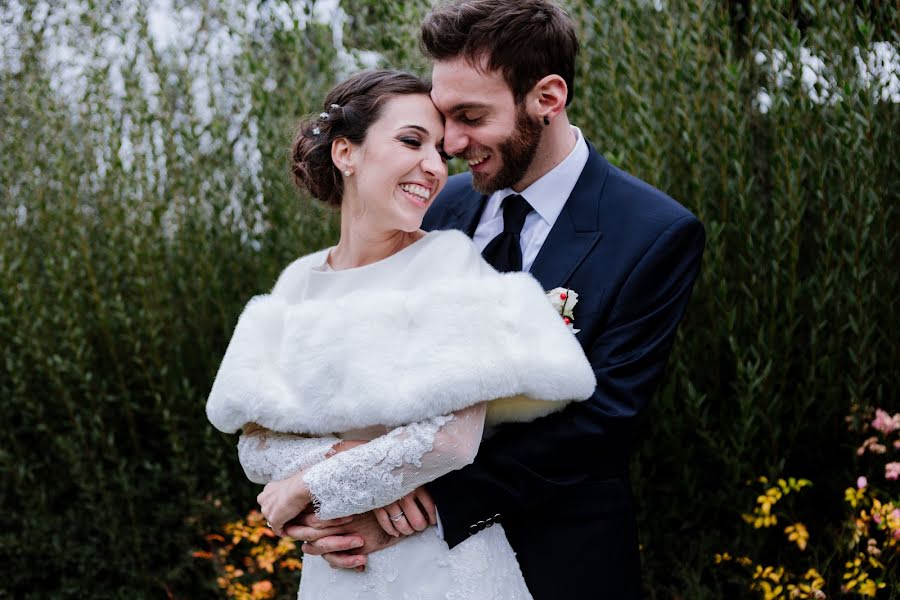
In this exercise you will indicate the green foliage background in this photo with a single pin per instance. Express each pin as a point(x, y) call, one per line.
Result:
point(120, 280)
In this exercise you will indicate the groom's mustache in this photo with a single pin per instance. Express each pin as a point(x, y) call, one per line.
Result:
point(472, 151)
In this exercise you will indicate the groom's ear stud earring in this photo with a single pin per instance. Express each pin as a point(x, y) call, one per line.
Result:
point(546, 120)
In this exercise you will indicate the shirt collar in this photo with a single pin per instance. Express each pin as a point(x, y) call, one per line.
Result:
point(549, 193)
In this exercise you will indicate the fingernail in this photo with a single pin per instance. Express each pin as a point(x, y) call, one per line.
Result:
point(357, 544)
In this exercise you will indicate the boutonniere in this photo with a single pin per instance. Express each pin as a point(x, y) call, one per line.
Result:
point(564, 301)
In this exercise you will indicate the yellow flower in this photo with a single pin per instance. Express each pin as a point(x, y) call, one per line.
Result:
point(770, 573)
point(869, 588)
point(798, 534)
point(854, 496)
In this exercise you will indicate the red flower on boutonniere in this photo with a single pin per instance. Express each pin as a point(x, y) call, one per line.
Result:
point(564, 301)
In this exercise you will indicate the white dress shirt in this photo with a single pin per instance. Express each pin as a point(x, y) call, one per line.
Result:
point(547, 196)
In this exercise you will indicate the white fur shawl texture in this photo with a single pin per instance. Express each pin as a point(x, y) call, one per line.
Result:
point(392, 357)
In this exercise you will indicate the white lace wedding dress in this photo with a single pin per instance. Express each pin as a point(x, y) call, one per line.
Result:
point(420, 566)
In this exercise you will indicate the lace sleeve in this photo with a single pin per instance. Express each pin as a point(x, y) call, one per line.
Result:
point(391, 466)
point(269, 456)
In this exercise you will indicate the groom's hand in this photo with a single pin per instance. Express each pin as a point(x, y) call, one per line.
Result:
point(345, 545)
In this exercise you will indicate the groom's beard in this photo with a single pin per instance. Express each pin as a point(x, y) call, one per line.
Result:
point(516, 155)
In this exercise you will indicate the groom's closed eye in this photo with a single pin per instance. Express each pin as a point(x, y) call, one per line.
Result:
point(469, 119)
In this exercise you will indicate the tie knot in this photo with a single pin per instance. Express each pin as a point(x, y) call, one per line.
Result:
point(515, 209)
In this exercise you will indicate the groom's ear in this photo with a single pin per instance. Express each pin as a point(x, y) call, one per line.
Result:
point(548, 96)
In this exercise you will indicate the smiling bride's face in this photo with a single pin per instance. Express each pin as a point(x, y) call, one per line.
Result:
point(399, 168)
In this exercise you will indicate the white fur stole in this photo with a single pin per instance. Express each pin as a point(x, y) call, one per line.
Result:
point(396, 357)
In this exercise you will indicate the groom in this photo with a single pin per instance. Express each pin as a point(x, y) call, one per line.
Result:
point(540, 198)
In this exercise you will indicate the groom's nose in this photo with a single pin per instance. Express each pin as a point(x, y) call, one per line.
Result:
point(455, 139)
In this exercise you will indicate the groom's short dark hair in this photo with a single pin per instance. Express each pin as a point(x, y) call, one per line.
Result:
point(526, 39)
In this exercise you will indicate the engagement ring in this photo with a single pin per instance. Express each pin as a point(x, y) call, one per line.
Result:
point(397, 517)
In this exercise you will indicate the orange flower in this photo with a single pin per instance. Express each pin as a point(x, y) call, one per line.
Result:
point(263, 589)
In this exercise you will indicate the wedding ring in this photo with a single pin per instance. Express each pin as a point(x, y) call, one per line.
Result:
point(269, 524)
point(397, 517)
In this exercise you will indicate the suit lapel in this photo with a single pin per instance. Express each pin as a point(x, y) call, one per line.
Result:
point(576, 231)
point(466, 212)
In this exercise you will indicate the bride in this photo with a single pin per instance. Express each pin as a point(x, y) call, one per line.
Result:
point(378, 365)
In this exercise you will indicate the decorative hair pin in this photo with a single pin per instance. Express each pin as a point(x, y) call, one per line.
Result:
point(324, 116)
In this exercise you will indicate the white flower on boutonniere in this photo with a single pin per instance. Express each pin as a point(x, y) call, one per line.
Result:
point(564, 301)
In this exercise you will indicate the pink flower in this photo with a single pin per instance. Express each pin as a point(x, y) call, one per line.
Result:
point(872, 445)
point(884, 422)
point(861, 482)
point(892, 470)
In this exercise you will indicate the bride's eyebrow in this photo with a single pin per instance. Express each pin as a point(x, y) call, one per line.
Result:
point(416, 127)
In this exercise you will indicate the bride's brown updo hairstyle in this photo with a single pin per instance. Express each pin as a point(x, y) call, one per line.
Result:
point(350, 108)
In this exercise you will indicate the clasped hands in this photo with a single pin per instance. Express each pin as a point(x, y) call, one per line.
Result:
point(287, 507)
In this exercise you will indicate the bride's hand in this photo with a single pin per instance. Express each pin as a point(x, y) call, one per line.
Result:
point(281, 501)
point(413, 512)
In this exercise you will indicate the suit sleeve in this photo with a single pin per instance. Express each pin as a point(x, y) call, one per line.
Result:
point(526, 464)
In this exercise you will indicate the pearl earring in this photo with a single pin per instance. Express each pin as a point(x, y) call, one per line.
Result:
point(347, 173)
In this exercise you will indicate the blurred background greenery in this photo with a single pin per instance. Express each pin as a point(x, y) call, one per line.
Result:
point(145, 196)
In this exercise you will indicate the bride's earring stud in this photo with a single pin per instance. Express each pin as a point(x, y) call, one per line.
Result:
point(347, 173)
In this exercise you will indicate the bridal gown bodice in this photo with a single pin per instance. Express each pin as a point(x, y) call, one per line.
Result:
point(393, 463)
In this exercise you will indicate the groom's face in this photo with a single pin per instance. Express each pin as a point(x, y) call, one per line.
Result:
point(484, 125)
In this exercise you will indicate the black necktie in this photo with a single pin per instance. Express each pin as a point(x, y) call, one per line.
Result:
point(504, 252)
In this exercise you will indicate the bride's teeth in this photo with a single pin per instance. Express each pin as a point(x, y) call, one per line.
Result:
point(416, 190)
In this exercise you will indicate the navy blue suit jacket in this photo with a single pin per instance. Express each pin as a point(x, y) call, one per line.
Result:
point(560, 484)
